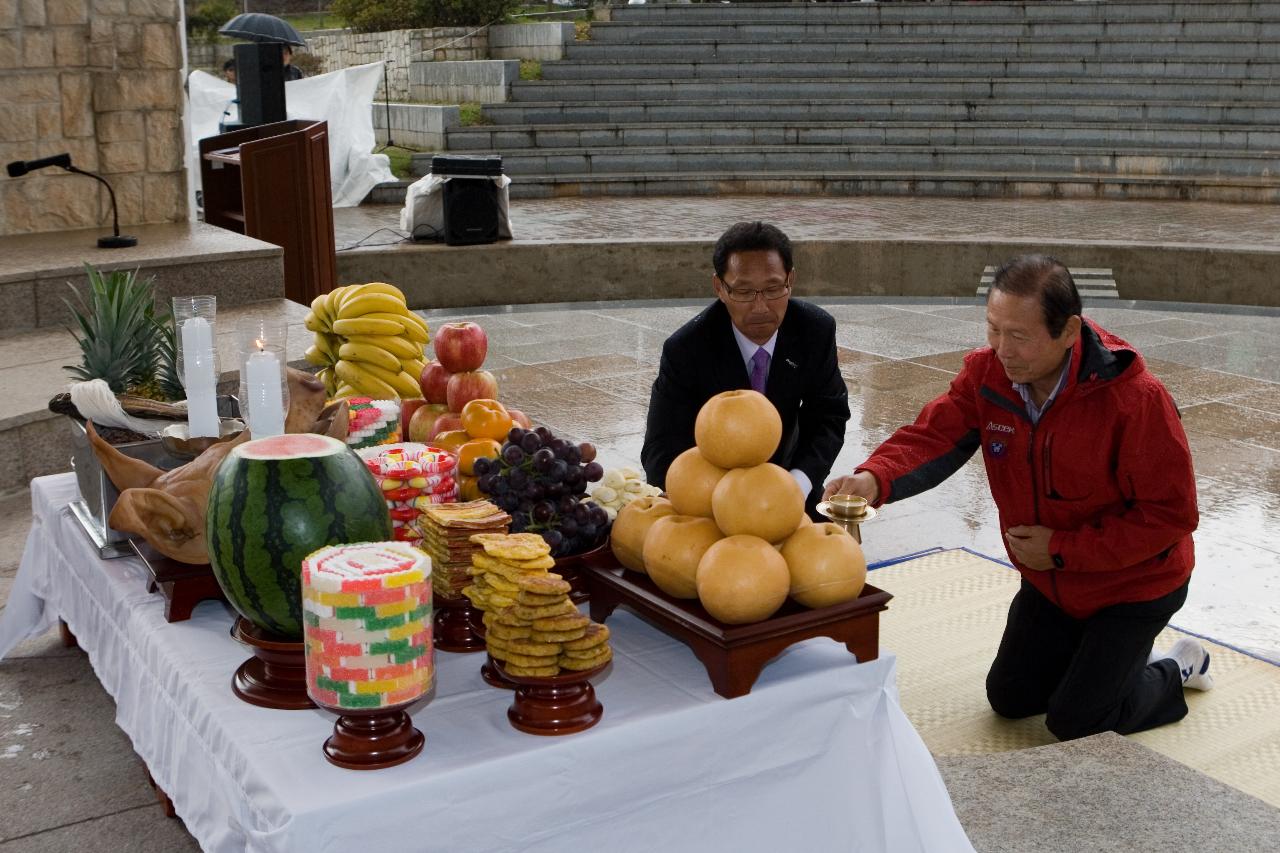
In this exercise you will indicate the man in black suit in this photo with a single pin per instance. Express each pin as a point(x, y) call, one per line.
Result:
point(755, 335)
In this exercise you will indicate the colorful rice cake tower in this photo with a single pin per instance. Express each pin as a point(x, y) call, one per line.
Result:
point(412, 476)
point(367, 625)
point(372, 422)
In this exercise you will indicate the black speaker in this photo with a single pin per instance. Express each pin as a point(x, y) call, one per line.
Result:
point(471, 213)
point(260, 83)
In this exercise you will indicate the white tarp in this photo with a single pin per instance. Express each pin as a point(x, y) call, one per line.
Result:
point(342, 98)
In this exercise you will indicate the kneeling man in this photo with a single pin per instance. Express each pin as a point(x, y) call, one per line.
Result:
point(754, 336)
point(1092, 479)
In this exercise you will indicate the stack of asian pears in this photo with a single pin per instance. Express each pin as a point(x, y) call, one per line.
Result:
point(732, 530)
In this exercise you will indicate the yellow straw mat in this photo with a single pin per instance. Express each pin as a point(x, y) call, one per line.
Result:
point(944, 624)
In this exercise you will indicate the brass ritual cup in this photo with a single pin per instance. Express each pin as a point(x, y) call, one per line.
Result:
point(848, 511)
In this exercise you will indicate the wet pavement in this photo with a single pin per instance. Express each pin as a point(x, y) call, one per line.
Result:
point(585, 371)
point(1234, 226)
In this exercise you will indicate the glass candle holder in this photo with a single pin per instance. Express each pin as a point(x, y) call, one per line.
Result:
point(195, 322)
point(264, 383)
point(196, 307)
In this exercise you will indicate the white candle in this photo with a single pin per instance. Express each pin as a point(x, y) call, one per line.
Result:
point(197, 376)
point(266, 403)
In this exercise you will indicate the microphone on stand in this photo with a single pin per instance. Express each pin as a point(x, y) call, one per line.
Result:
point(116, 240)
point(386, 98)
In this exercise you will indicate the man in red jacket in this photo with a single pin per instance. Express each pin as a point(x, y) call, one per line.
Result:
point(1091, 474)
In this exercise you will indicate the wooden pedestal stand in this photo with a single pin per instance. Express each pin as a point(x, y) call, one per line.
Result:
point(457, 625)
point(494, 676)
point(573, 569)
point(559, 705)
point(370, 739)
point(276, 676)
point(734, 655)
point(183, 585)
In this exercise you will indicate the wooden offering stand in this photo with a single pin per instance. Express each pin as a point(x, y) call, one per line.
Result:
point(457, 625)
point(183, 585)
point(493, 676)
point(573, 569)
point(276, 676)
point(734, 655)
point(562, 704)
point(373, 738)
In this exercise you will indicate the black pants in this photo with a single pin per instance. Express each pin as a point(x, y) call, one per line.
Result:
point(1086, 675)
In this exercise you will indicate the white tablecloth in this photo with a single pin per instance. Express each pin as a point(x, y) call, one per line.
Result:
point(818, 757)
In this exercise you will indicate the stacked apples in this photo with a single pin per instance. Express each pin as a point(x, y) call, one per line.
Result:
point(450, 381)
point(733, 531)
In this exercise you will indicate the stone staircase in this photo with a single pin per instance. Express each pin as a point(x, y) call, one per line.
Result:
point(1129, 99)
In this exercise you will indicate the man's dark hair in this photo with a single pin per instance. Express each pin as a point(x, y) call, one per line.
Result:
point(1046, 277)
point(229, 65)
point(750, 237)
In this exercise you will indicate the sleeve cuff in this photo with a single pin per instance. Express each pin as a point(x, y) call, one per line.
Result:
point(806, 485)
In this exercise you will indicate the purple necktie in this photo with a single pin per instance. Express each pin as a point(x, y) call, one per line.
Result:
point(759, 369)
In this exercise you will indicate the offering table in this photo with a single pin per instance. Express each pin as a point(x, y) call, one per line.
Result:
point(819, 755)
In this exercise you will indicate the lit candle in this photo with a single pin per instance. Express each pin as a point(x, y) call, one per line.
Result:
point(266, 403)
point(197, 376)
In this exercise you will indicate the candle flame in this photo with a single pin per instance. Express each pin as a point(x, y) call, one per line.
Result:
point(259, 344)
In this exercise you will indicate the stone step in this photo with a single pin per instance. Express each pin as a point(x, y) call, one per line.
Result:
point(852, 65)
point(983, 13)
point(1092, 283)
point(853, 159)
point(1155, 28)
point(803, 111)
point(508, 138)
point(983, 184)
point(880, 46)
point(975, 89)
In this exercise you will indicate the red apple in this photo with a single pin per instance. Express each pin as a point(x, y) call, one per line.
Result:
point(520, 418)
point(433, 381)
point(468, 386)
point(448, 422)
point(422, 426)
point(461, 347)
point(407, 408)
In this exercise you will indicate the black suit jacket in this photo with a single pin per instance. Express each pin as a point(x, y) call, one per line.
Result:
point(702, 359)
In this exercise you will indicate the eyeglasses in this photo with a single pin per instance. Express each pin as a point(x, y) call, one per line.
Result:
point(747, 294)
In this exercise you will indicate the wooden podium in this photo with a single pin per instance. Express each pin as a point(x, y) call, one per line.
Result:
point(272, 182)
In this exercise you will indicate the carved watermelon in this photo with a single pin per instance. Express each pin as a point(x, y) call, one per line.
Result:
point(273, 502)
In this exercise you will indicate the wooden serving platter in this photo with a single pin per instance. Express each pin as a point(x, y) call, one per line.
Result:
point(735, 655)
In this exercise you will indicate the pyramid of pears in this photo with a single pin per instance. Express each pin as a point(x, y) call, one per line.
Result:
point(732, 531)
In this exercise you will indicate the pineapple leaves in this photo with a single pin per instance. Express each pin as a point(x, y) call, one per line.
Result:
point(121, 339)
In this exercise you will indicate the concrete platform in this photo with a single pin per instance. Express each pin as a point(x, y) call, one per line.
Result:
point(185, 258)
point(573, 249)
point(1100, 793)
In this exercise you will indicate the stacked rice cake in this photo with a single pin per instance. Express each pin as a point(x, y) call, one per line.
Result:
point(530, 623)
point(446, 531)
point(367, 624)
point(412, 477)
point(372, 422)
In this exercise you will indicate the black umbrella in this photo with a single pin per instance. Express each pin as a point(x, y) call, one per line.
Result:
point(255, 26)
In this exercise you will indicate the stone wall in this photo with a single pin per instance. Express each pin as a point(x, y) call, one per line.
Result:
point(101, 80)
point(542, 41)
point(344, 49)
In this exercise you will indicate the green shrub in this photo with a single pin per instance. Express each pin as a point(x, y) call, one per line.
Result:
point(378, 15)
point(204, 20)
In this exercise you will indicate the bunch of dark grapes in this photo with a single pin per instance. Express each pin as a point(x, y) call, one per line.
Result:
point(540, 479)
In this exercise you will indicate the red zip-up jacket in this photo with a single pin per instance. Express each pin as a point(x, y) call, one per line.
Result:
point(1107, 468)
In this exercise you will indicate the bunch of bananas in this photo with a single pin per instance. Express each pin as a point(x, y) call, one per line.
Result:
point(368, 343)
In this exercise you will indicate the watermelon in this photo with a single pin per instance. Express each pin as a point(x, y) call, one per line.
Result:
point(274, 501)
